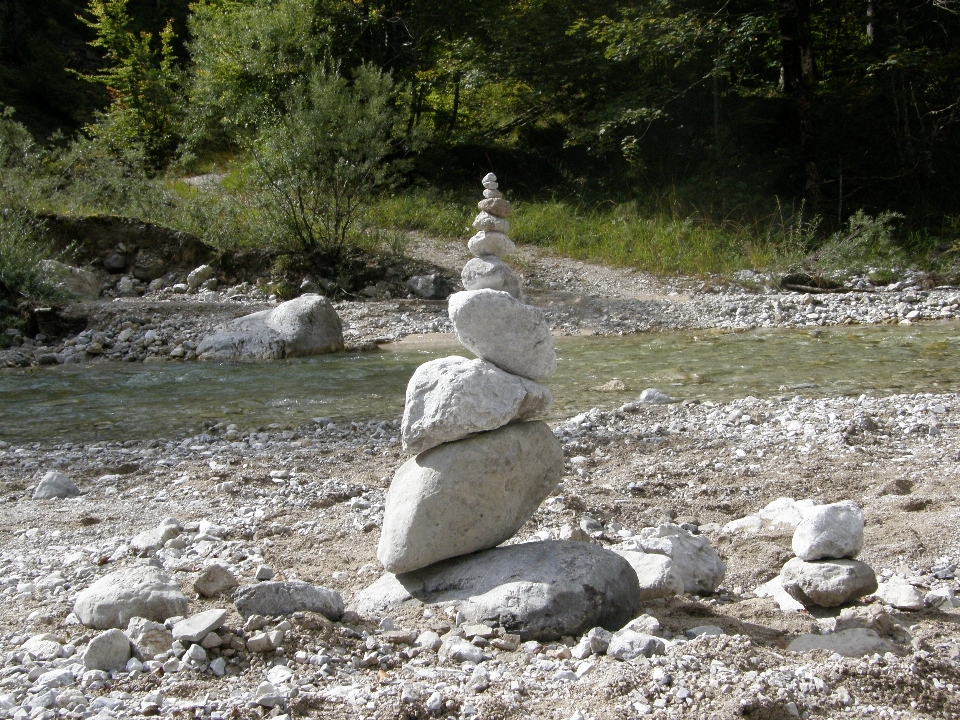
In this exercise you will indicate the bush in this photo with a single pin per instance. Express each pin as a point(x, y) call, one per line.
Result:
point(321, 162)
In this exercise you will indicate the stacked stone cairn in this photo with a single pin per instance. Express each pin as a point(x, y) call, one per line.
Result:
point(824, 572)
point(482, 466)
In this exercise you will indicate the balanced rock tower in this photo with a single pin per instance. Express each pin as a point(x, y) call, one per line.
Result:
point(482, 466)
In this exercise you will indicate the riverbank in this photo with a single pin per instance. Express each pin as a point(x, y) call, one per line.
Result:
point(307, 502)
point(577, 299)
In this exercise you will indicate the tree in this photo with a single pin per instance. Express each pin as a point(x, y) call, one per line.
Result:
point(142, 79)
point(322, 159)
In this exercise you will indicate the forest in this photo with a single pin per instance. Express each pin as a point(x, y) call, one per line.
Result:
point(691, 136)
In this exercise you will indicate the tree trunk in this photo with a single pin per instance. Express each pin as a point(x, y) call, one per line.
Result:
point(798, 78)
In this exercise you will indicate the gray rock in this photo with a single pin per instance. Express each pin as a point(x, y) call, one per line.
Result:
point(899, 593)
point(214, 580)
point(109, 650)
point(452, 397)
point(114, 262)
point(542, 590)
point(490, 273)
point(307, 325)
point(138, 591)
point(486, 221)
point(287, 597)
point(194, 628)
point(656, 573)
point(43, 647)
point(467, 495)
point(149, 541)
point(459, 650)
point(149, 639)
point(74, 281)
point(429, 287)
point(199, 276)
point(491, 243)
point(829, 531)
point(694, 560)
point(827, 583)
point(942, 598)
point(708, 630)
point(855, 642)
point(499, 328)
point(55, 485)
point(630, 644)
point(495, 206)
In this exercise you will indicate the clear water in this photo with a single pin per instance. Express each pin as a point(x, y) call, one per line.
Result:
point(134, 401)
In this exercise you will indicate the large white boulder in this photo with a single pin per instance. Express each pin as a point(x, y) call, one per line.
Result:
point(138, 591)
point(467, 495)
point(692, 557)
point(452, 397)
point(305, 326)
point(539, 590)
point(827, 583)
point(490, 273)
point(829, 531)
point(499, 328)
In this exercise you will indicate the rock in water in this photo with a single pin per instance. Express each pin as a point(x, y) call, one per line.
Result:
point(490, 273)
point(499, 328)
point(491, 243)
point(827, 583)
point(287, 597)
point(694, 560)
point(467, 495)
point(139, 591)
point(452, 397)
point(55, 485)
point(829, 531)
point(305, 326)
point(656, 574)
point(542, 590)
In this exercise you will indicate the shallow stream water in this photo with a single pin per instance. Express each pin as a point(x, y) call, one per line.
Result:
point(138, 401)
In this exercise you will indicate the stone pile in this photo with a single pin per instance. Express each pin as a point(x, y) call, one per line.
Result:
point(483, 467)
point(824, 571)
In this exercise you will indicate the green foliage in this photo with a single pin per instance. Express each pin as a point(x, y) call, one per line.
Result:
point(142, 79)
point(322, 161)
point(429, 211)
point(866, 243)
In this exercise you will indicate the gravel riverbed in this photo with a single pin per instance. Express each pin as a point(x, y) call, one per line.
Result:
point(306, 502)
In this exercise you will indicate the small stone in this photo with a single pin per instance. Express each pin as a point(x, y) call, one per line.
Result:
point(264, 573)
point(490, 273)
point(109, 650)
point(486, 243)
point(656, 573)
point(428, 640)
point(495, 206)
point(489, 178)
point(216, 579)
point(488, 222)
point(149, 541)
point(55, 485)
point(287, 597)
point(942, 598)
point(43, 647)
point(652, 396)
point(459, 650)
point(855, 642)
point(629, 644)
point(218, 666)
point(827, 583)
point(829, 531)
point(708, 630)
point(149, 639)
point(196, 627)
point(899, 593)
point(199, 276)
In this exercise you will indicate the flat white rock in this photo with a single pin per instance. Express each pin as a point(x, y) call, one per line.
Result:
point(855, 642)
point(829, 531)
point(452, 397)
point(491, 273)
point(899, 593)
point(467, 495)
point(499, 328)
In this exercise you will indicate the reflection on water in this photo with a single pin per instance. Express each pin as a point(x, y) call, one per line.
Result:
point(114, 401)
